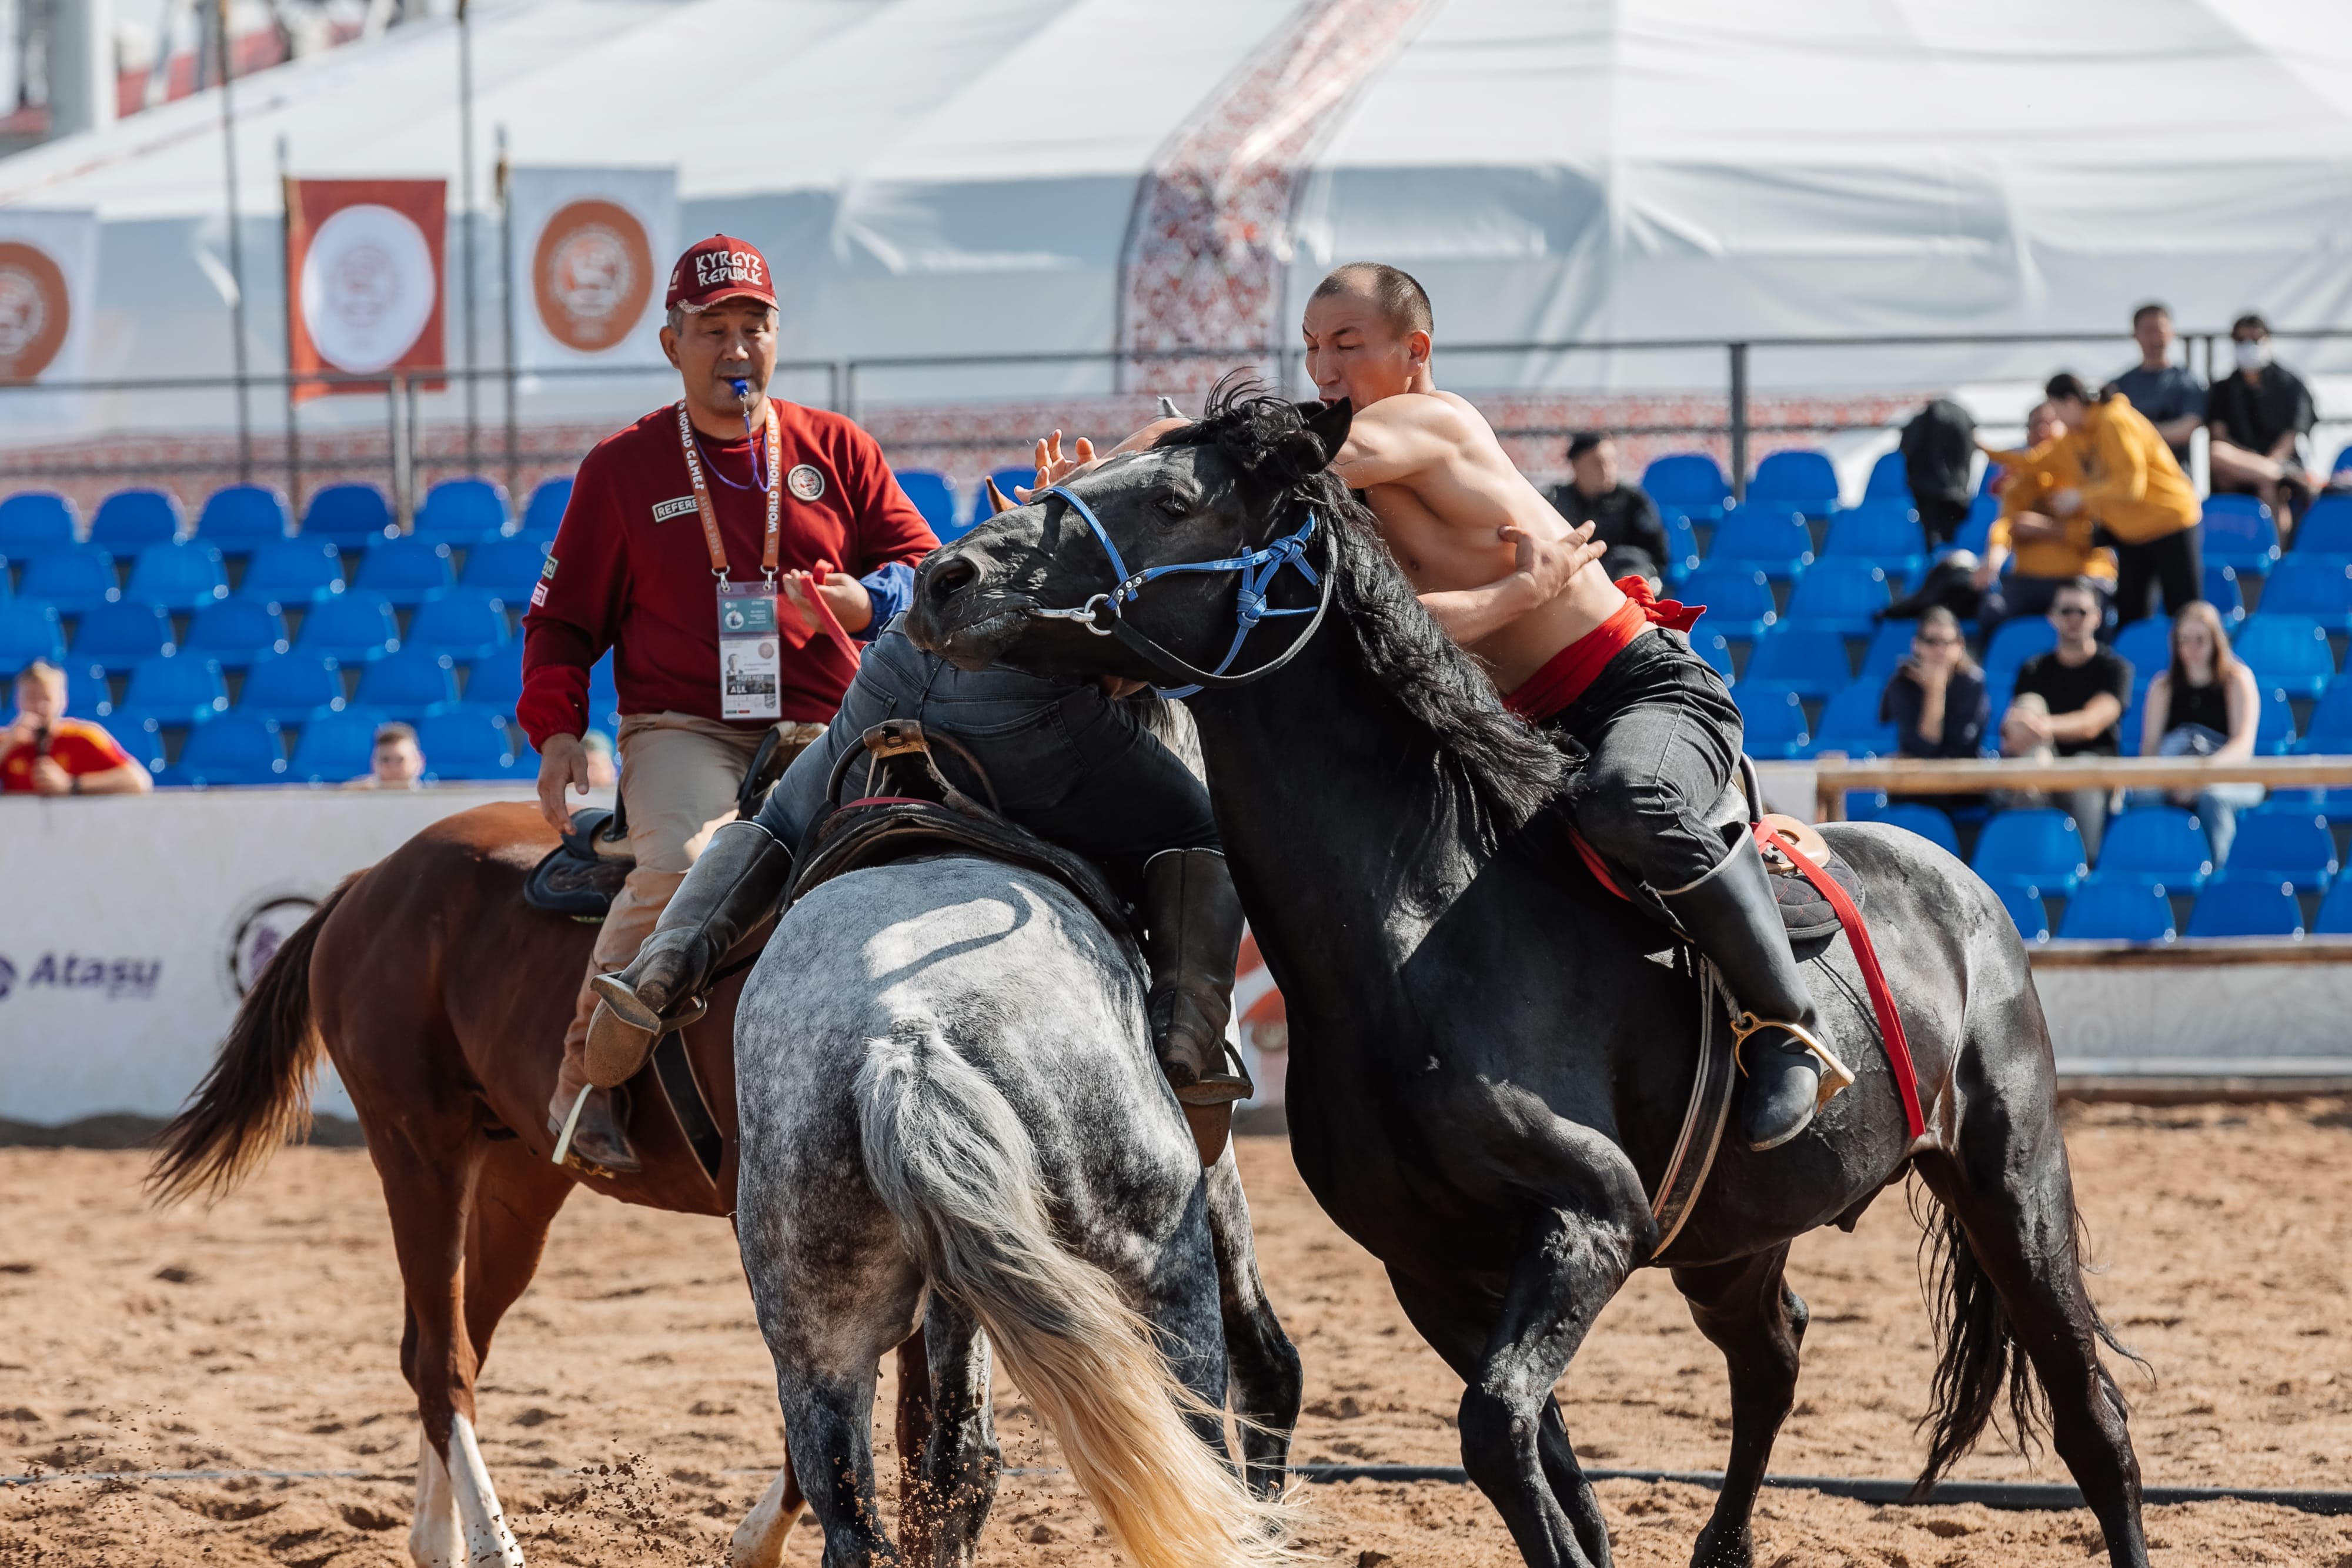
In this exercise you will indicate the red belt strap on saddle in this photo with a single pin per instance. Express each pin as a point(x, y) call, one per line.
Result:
point(1865, 957)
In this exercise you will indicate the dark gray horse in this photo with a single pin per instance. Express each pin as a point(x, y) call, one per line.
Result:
point(945, 1091)
point(1488, 1070)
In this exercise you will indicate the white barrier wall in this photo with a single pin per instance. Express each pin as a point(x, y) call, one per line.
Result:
point(130, 923)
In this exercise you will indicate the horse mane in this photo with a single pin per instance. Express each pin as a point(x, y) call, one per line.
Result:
point(1509, 770)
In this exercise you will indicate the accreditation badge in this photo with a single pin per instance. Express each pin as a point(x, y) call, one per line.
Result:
point(750, 653)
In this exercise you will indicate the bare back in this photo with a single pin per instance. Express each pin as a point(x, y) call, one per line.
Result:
point(1441, 484)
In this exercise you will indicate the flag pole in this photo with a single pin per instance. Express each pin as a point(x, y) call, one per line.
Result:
point(286, 225)
point(235, 249)
point(466, 189)
point(507, 298)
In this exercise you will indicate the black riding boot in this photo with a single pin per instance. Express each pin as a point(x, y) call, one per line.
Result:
point(1192, 939)
point(736, 883)
point(1735, 921)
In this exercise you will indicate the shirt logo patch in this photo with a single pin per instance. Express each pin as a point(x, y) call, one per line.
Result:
point(547, 572)
point(804, 482)
point(539, 597)
point(677, 508)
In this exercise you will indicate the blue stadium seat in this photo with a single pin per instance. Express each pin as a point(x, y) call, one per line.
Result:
point(2330, 733)
point(117, 637)
point(2157, 843)
point(73, 579)
point(2282, 844)
point(2117, 909)
point(2246, 909)
point(1682, 544)
point(336, 744)
point(2024, 904)
point(496, 683)
point(2146, 647)
point(404, 569)
point(138, 735)
point(1773, 722)
point(2334, 918)
point(2274, 725)
point(463, 511)
point(2289, 652)
point(1715, 648)
point(288, 687)
point(2039, 845)
point(1770, 539)
point(1686, 479)
point(2240, 532)
point(603, 698)
point(1889, 646)
point(2315, 585)
point(236, 632)
point(35, 523)
point(185, 575)
point(404, 683)
point(463, 740)
point(1975, 532)
point(543, 512)
point(292, 571)
point(238, 748)
point(351, 517)
point(1802, 478)
point(1929, 821)
point(1808, 661)
point(2326, 527)
point(927, 489)
point(506, 568)
point(2130, 731)
point(349, 628)
point(2013, 645)
point(1850, 724)
point(129, 520)
point(463, 623)
point(2221, 591)
point(1739, 600)
point(237, 517)
point(176, 689)
point(1884, 532)
point(1844, 596)
point(29, 630)
point(1889, 480)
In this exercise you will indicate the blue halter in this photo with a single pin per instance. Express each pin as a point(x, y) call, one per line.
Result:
point(1257, 570)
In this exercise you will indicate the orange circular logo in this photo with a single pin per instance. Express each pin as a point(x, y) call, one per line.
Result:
point(33, 310)
point(592, 274)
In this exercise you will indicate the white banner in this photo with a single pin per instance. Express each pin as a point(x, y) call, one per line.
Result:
point(48, 287)
point(593, 250)
point(134, 924)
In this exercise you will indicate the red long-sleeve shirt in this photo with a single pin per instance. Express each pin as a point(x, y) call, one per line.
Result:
point(630, 570)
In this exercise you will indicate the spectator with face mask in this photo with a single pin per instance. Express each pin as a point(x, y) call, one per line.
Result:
point(2258, 415)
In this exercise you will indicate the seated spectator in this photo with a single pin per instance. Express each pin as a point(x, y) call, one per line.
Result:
point(42, 752)
point(1940, 448)
point(2258, 415)
point(603, 771)
point(1937, 699)
point(2170, 394)
point(2067, 705)
point(396, 763)
point(1623, 516)
point(2137, 494)
point(2205, 703)
point(2040, 552)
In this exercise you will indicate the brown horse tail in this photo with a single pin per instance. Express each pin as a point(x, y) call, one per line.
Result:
point(1977, 1349)
point(257, 1092)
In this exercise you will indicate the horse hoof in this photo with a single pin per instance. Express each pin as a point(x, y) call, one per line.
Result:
point(1723, 1548)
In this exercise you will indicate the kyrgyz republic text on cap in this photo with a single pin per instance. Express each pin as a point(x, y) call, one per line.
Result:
point(719, 268)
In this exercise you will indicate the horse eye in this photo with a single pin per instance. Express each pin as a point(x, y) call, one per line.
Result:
point(1174, 509)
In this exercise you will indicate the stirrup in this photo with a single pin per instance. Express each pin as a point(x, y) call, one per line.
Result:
point(1836, 1075)
point(1223, 1080)
point(616, 995)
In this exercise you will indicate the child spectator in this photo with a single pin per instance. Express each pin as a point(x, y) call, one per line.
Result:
point(1937, 699)
point(396, 763)
point(2134, 492)
point(1622, 516)
point(2042, 553)
point(2258, 415)
point(2205, 703)
point(2171, 395)
point(2067, 705)
point(42, 752)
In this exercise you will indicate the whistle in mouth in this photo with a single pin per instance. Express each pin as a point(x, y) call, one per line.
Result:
point(742, 388)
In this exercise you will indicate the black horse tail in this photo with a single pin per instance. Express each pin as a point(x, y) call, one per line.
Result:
point(257, 1092)
point(1977, 1349)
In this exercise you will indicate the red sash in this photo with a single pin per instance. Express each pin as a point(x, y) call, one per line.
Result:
point(1565, 675)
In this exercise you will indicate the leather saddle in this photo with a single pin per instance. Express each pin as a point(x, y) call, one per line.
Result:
point(907, 806)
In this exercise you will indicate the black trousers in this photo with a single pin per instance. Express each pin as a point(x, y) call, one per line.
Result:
point(2175, 562)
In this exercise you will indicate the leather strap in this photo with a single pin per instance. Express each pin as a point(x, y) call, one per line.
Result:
point(772, 535)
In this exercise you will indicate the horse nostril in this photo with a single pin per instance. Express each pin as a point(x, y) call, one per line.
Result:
point(950, 577)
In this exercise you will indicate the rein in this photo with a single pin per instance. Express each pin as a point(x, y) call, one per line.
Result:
point(1257, 570)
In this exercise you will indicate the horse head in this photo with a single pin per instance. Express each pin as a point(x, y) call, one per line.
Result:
point(1126, 570)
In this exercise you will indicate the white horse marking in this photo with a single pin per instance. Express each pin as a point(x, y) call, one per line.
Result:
point(760, 1539)
point(435, 1537)
point(488, 1539)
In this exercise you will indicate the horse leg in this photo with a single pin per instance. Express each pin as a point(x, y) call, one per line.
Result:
point(1262, 1361)
point(912, 1433)
point(962, 1460)
point(1746, 1311)
point(758, 1540)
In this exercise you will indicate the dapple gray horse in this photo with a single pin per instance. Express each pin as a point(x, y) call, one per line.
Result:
point(951, 1116)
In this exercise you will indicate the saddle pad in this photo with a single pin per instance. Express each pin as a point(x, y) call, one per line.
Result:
point(572, 879)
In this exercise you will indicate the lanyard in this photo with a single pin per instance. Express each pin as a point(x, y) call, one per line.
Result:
point(711, 514)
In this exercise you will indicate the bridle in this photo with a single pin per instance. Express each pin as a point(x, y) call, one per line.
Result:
point(1257, 570)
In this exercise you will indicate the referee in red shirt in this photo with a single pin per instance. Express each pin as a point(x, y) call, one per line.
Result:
point(728, 548)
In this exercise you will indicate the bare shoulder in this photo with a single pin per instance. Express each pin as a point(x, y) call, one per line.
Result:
point(1435, 413)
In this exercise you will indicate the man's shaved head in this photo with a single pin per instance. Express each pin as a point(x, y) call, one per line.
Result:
point(1399, 298)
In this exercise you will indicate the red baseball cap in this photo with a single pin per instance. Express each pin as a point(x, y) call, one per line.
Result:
point(719, 268)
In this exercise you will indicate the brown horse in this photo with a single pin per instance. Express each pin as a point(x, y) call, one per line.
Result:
point(442, 1000)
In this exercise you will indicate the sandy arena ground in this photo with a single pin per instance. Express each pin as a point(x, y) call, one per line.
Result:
point(628, 1413)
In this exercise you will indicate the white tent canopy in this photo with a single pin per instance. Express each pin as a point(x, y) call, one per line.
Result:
point(960, 176)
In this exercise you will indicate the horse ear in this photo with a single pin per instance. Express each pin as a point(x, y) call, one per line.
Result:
point(1307, 451)
point(1330, 422)
point(996, 501)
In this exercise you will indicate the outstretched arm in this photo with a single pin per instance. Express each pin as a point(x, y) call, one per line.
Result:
point(1540, 575)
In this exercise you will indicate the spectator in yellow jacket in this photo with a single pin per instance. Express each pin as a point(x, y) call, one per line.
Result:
point(2041, 553)
point(2133, 490)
